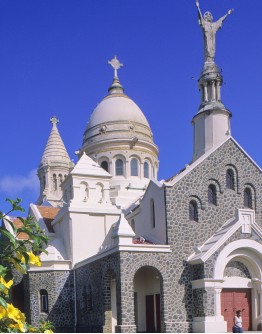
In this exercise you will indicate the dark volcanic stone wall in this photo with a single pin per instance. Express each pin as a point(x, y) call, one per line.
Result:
point(183, 234)
point(60, 288)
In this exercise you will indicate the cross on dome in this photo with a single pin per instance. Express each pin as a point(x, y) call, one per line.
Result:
point(116, 65)
point(54, 120)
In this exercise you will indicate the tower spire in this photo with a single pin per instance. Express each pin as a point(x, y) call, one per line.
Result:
point(116, 87)
point(54, 166)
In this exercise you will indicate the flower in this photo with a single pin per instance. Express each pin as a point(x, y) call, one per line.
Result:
point(34, 259)
point(20, 257)
point(19, 325)
point(14, 313)
point(48, 331)
point(6, 284)
point(2, 312)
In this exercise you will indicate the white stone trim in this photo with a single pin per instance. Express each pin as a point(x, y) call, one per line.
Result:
point(203, 157)
point(148, 248)
point(215, 324)
point(52, 265)
point(206, 283)
point(239, 248)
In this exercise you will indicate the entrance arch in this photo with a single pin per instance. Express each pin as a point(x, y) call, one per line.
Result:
point(147, 299)
point(239, 267)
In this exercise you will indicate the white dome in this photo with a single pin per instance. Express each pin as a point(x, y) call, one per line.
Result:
point(117, 107)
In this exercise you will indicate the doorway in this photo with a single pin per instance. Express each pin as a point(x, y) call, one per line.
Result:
point(147, 305)
point(233, 300)
point(153, 324)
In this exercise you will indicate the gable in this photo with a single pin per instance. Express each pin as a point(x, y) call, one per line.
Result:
point(228, 147)
point(193, 184)
point(244, 221)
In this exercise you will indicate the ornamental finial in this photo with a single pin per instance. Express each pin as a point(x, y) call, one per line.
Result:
point(54, 120)
point(116, 65)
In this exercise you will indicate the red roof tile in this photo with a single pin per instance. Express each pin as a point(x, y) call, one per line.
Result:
point(48, 213)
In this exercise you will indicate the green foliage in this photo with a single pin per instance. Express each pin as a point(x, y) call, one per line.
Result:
point(17, 254)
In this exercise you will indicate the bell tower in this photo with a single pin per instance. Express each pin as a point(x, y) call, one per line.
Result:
point(212, 122)
point(55, 165)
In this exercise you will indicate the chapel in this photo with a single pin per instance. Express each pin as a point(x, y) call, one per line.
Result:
point(129, 253)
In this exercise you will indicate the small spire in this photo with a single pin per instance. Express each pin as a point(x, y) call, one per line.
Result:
point(116, 86)
point(115, 63)
point(54, 120)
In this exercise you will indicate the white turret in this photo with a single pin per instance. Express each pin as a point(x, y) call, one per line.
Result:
point(55, 165)
point(212, 122)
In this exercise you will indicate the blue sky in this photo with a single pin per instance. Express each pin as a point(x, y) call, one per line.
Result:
point(53, 61)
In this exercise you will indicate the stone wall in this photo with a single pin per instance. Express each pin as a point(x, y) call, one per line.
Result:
point(96, 276)
point(183, 233)
point(237, 269)
point(60, 288)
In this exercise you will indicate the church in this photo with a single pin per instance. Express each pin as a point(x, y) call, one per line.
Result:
point(129, 253)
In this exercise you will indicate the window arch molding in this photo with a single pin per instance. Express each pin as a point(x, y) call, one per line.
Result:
point(119, 167)
point(200, 206)
point(236, 178)
point(216, 183)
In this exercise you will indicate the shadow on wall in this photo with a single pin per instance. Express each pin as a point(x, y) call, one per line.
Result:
point(185, 280)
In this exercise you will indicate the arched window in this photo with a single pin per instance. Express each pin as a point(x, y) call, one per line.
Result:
point(84, 192)
point(54, 182)
point(248, 198)
point(212, 194)
point(60, 179)
point(43, 301)
point(119, 167)
point(134, 167)
point(99, 193)
point(193, 211)
point(104, 165)
point(230, 182)
point(146, 170)
point(152, 213)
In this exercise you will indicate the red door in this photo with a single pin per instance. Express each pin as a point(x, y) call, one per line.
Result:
point(233, 300)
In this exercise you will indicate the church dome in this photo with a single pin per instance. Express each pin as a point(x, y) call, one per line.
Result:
point(117, 107)
point(118, 137)
point(116, 117)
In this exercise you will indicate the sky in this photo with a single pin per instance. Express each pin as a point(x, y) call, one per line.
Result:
point(54, 61)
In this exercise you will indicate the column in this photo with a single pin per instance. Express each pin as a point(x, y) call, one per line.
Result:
point(218, 91)
point(213, 91)
point(205, 92)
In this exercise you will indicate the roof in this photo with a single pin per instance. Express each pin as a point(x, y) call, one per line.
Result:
point(87, 166)
point(245, 218)
point(55, 149)
point(48, 214)
point(18, 223)
point(188, 168)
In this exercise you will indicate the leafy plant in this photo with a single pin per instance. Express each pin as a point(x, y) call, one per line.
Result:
point(17, 254)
